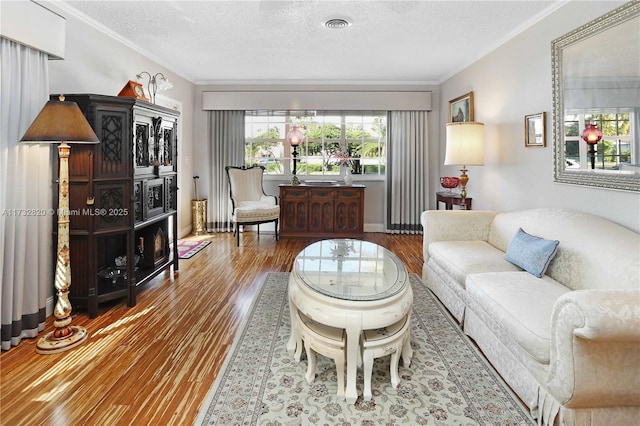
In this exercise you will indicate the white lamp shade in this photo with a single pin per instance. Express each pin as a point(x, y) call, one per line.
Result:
point(464, 144)
point(164, 83)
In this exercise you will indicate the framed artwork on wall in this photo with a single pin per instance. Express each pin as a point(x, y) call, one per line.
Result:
point(535, 130)
point(461, 108)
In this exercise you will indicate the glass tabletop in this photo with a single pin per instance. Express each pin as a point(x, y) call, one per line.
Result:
point(351, 270)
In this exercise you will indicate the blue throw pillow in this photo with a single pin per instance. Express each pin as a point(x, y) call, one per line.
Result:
point(533, 254)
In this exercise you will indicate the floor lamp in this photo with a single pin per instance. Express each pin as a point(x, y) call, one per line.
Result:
point(464, 148)
point(61, 122)
point(592, 135)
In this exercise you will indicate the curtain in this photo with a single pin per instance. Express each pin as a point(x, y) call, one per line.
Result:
point(226, 138)
point(635, 137)
point(26, 247)
point(406, 174)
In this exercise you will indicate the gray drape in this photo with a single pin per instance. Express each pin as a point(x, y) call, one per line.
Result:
point(406, 173)
point(226, 141)
point(26, 276)
point(635, 137)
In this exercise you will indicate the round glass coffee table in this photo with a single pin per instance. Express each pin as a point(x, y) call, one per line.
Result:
point(350, 284)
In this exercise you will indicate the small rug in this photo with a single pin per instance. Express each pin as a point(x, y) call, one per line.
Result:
point(189, 248)
point(448, 382)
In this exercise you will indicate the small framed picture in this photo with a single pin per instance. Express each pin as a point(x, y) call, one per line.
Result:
point(534, 130)
point(461, 108)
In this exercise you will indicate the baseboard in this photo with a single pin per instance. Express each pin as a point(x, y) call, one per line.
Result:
point(268, 228)
point(48, 306)
point(373, 227)
point(184, 231)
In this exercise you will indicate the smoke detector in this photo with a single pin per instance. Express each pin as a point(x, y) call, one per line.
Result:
point(336, 23)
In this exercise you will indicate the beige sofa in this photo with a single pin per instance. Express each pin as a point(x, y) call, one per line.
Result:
point(567, 343)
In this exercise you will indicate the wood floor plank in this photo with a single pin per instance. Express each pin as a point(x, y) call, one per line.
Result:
point(154, 363)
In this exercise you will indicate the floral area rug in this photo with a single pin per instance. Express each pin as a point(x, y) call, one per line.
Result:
point(187, 249)
point(447, 383)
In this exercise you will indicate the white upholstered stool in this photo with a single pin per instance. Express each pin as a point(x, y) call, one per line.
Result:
point(325, 340)
point(392, 340)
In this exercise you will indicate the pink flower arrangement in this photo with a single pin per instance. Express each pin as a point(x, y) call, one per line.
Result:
point(341, 158)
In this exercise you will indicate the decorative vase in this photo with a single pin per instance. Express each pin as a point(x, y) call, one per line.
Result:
point(346, 174)
point(198, 217)
point(449, 182)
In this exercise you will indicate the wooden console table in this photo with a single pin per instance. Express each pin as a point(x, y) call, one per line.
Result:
point(450, 200)
point(321, 211)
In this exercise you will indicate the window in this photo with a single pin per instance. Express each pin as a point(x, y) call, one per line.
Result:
point(614, 148)
point(362, 136)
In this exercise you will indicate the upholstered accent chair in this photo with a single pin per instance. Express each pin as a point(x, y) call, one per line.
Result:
point(250, 204)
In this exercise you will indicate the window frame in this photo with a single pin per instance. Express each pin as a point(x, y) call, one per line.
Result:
point(311, 121)
point(581, 119)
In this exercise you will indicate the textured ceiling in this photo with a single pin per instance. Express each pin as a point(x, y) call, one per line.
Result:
point(284, 41)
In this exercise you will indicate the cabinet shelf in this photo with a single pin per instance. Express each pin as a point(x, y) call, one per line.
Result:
point(111, 230)
point(153, 220)
point(145, 275)
point(105, 293)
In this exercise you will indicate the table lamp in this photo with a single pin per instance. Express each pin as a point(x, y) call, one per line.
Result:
point(61, 122)
point(464, 147)
point(295, 137)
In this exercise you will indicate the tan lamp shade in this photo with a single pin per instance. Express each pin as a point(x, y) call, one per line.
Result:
point(60, 121)
point(464, 144)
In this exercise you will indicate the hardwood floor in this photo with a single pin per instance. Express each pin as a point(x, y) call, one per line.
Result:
point(153, 364)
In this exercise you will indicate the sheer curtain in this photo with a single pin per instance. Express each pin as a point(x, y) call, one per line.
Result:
point(406, 174)
point(26, 247)
point(226, 138)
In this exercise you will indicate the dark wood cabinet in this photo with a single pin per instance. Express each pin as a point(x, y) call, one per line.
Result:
point(321, 211)
point(123, 200)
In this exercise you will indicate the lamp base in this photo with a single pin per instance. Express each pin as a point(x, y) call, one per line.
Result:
point(592, 155)
point(49, 344)
point(464, 179)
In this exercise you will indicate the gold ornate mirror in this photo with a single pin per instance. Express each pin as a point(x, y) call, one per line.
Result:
point(596, 80)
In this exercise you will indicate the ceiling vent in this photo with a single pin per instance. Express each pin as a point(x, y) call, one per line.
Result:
point(337, 23)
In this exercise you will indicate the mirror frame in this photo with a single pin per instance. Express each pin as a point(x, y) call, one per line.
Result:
point(608, 179)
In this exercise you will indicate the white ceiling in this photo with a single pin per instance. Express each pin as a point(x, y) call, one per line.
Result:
point(413, 42)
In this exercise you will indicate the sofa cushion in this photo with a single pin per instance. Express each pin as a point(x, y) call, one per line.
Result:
point(255, 211)
point(531, 253)
point(521, 306)
point(460, 258)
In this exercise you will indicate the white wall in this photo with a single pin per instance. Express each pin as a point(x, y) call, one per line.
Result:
point(509, 83)
point(98, 63)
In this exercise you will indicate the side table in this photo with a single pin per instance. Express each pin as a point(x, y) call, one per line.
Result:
point(450, 200)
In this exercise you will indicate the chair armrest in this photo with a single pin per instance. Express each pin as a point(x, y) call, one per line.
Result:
point(271, 199)
point(455, 225)
point(595, 348)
